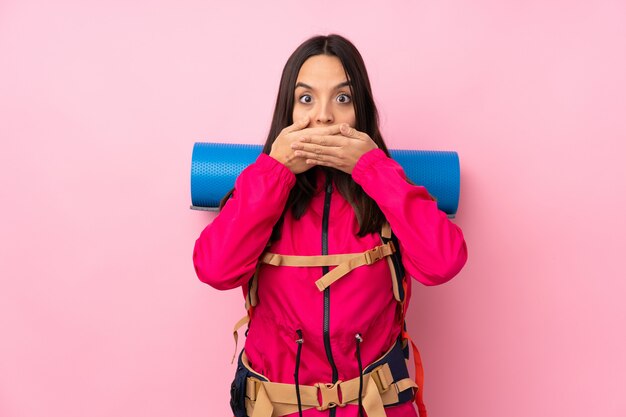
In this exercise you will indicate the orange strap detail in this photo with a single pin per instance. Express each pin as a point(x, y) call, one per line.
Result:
point(419, 377)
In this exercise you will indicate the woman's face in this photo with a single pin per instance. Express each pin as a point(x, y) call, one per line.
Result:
point(322, 93)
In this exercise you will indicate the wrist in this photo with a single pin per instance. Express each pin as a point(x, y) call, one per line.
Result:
point(283, 160)
point(278, 157)
point(268, 163)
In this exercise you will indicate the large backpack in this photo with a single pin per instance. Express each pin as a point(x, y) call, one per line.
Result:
point(344, 263)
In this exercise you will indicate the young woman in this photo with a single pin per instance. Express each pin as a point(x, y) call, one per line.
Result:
point(327, 329)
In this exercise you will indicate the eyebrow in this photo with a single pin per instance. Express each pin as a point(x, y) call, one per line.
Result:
point(338, 86)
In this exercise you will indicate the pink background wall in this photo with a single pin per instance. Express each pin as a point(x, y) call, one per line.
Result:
point(101, 313)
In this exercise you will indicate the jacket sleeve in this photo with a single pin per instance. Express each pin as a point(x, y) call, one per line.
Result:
point(433, 248)
point(226, 253)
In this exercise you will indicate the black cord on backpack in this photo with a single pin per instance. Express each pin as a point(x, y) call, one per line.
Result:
point(299, 341)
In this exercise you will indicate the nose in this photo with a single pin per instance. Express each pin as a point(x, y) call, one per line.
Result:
point(323, 114)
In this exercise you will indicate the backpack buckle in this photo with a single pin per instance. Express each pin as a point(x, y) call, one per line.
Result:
point(383, 378)
point(330, 395)
point(373, 255)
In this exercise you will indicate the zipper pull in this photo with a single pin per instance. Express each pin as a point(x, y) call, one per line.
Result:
point(329, 187)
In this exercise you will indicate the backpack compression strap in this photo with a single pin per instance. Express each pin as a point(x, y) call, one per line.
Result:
point(345, 262)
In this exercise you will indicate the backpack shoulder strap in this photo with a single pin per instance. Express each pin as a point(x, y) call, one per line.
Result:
point(395, 262)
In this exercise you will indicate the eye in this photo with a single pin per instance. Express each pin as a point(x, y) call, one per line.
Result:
point(305, 99)
point(344, 98)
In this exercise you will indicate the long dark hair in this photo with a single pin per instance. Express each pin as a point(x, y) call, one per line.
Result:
point(368, 213)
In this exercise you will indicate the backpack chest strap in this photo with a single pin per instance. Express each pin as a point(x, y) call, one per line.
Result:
point(344, 263)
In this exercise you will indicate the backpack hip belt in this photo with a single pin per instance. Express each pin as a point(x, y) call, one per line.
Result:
point(385, 382)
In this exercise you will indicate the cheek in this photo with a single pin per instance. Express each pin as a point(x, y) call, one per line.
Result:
point(299, 112)
point(350, 118)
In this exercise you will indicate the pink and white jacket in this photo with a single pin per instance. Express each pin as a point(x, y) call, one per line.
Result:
point(226, 253)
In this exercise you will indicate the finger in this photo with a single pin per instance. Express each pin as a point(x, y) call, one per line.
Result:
point(297, 125)
point(317, 152)
point(318, 162)
point(324, 147)
point(326, 161)
point(326, 130)
point(348, 131)
point(322, 140)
